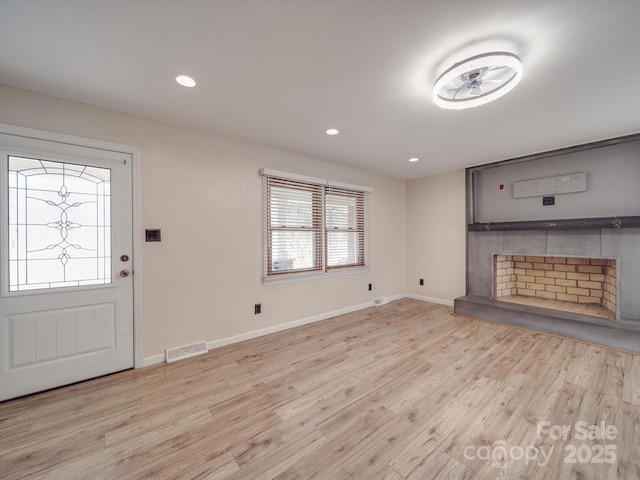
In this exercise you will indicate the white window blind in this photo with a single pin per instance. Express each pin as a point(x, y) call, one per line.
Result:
point(294, 226)
point(345, 220)
point(312, 226)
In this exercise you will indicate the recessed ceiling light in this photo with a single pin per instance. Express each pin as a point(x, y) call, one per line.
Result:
point(477, 80)
point(186, 81)
point(414, 159)
point(333, 131)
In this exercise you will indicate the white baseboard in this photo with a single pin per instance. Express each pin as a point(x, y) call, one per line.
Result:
point(153, 359)
point(397, 297)
point(285, 326)
point(440, 301)
point(161, 357)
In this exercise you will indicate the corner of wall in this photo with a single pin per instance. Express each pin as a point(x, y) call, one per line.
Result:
point(436, 251)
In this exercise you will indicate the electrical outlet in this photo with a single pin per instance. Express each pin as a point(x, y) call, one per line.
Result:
point(257, 308)
point(370, 287)
point(422, 281)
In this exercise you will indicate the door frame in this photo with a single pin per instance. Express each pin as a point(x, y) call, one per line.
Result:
point(136, 213)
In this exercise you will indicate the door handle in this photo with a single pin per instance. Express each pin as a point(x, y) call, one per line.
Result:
point(124, 273)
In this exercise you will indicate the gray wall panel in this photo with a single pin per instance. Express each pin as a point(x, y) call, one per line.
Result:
point(482, 246)
point(613, 176)
point(585, 243)
point(625, 244)
point(529, 243)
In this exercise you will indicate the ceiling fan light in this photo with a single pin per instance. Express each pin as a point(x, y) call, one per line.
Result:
point(466, 79)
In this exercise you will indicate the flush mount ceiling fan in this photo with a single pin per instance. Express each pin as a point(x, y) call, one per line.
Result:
point(477, 80)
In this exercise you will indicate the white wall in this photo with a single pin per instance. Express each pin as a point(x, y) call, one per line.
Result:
point(205, 193)
point(436, 236)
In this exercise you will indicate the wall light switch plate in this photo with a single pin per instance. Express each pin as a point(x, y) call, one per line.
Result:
point(152, 235)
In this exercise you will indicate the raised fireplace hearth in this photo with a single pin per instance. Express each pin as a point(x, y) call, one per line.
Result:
point(621, 335)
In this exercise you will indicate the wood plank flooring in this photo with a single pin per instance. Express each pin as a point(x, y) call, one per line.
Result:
point(398, 392)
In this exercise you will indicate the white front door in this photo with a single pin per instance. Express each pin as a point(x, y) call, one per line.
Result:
point(66, 290)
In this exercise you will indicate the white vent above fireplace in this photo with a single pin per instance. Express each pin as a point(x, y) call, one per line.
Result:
point(570, 183)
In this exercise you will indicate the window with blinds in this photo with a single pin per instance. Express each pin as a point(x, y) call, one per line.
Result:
point(344, 228)
point(312, 225)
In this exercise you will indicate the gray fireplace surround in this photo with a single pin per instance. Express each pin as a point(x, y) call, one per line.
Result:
point(487, 237)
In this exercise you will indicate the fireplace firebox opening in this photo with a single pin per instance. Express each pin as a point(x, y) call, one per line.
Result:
point(575, 284)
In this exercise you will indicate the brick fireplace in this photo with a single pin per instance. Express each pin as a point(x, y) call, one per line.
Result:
point(574, 284)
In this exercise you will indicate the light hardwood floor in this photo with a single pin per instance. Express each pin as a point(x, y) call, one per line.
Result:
point(402, 391)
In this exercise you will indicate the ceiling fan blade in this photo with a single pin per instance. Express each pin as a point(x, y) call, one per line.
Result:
point(483, 71)
point(475, 92)
point(457, 92)
point(457, 81)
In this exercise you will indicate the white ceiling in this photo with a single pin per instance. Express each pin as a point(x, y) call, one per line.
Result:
point(279, 73)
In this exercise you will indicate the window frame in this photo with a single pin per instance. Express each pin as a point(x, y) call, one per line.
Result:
point(274, 178)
